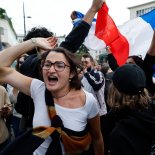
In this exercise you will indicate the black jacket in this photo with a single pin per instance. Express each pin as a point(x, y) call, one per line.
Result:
point(131, 132)
point(149, 61)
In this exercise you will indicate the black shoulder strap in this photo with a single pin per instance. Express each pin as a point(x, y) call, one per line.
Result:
point(49, 98)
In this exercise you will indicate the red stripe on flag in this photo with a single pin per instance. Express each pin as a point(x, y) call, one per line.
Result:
point(107, 31)
point(120, 49)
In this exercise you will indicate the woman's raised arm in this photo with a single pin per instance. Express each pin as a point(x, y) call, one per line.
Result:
point(9, 55)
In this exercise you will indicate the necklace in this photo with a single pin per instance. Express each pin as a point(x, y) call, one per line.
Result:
point(56, 97)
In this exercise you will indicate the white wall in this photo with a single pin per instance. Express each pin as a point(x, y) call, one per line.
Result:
point(9, 36)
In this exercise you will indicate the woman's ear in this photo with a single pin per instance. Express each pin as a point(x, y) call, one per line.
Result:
point(72, 74)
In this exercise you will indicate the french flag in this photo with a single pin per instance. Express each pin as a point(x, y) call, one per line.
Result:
point(132, 38)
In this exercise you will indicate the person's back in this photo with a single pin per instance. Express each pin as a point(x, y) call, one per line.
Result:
point(131, 120)
point(134, 132)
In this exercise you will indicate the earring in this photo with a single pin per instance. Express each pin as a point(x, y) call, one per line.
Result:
point(70, 79)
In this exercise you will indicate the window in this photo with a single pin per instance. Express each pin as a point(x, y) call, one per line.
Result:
point(1, 31)
point(144, 11)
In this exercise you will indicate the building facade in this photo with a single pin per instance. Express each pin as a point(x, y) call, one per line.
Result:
point(138, 10)
point(7, 34)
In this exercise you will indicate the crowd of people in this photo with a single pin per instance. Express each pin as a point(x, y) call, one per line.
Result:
point(63, 105)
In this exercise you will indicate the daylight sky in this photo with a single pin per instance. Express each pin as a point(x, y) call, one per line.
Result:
point(55, 14)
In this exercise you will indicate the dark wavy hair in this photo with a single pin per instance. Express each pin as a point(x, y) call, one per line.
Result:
point(72, 60)
point(37, 32)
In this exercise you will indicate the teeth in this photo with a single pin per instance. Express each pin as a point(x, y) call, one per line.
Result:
point(52, 76)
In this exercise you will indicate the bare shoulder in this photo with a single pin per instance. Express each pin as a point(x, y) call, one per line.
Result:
point(79, 96)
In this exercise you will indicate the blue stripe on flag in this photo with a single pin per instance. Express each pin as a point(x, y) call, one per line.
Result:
point(81, 15)
point(149, 18)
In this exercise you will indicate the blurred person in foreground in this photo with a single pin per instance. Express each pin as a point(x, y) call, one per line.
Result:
point(131, 120)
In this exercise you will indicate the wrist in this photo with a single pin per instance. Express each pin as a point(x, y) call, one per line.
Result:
point(108, 49)
point(92, 11)
point(34, 41)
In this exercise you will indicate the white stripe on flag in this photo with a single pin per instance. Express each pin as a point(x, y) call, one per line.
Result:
point(139, 35)
point(92, 42)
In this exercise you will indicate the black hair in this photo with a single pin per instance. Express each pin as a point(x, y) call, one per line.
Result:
point(88, 56)
point(37, 32)
point(138, 60)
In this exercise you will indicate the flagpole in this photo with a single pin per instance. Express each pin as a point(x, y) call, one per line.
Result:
point(24, 19)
